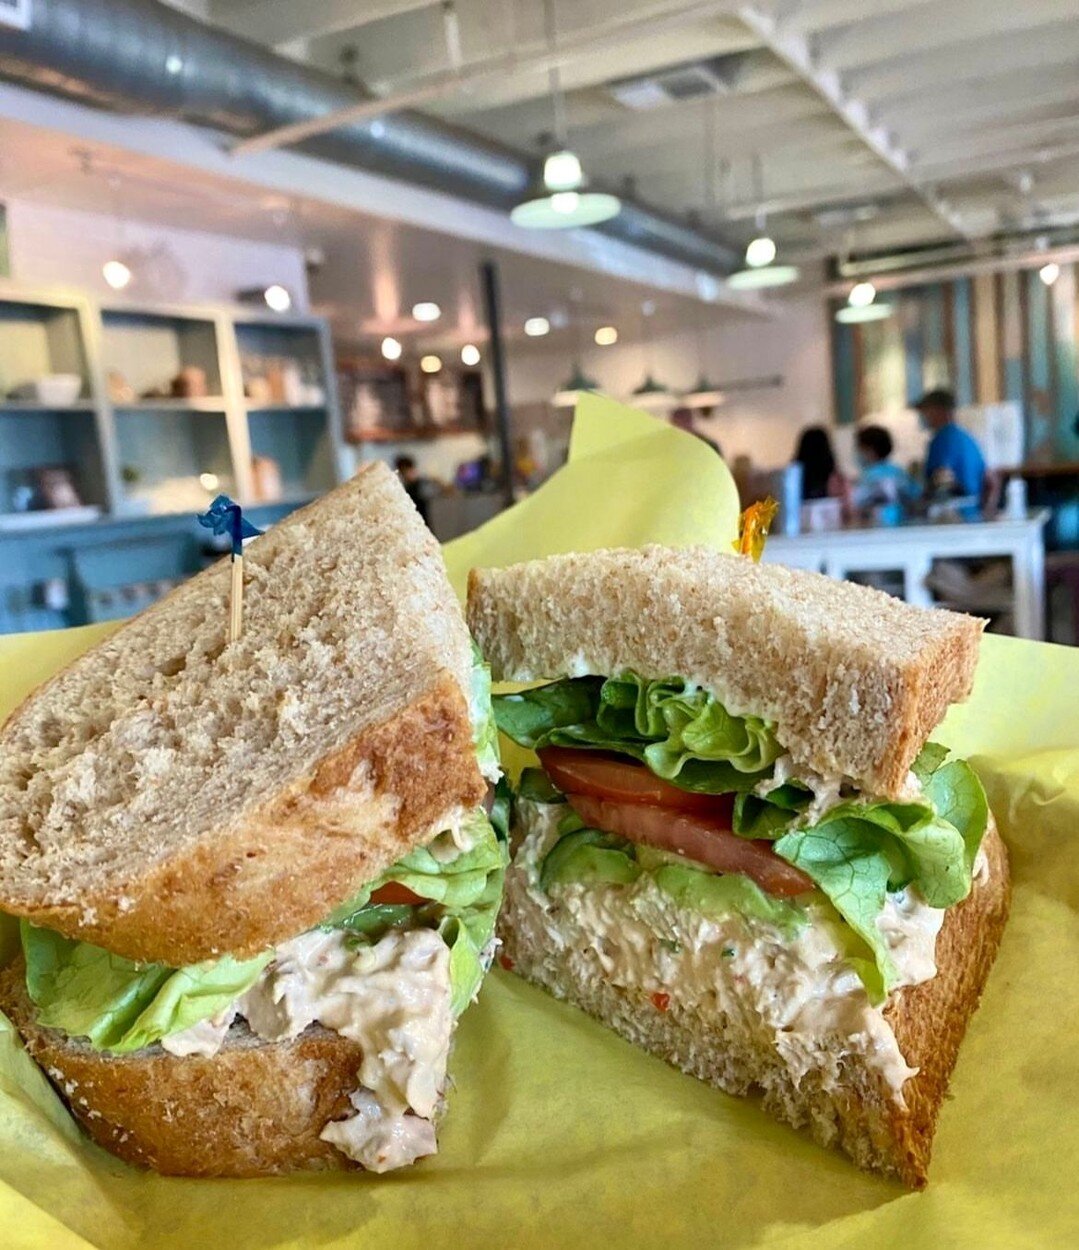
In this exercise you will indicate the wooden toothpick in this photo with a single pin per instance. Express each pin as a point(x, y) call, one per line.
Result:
point(226, 517)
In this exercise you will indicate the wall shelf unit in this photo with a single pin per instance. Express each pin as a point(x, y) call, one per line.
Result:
point(174, 404)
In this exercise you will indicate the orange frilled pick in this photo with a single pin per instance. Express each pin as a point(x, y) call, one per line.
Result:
point(753, 527)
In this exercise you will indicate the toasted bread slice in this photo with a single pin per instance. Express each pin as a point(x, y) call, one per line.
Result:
point(172, 797)
point(854, 680)
point(859, 1114)
point(254, 1109)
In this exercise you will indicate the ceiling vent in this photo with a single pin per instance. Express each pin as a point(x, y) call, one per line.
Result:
point(692, 81)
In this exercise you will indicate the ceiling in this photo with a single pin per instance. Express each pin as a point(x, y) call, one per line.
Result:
point(369, 271)
point(861, 125)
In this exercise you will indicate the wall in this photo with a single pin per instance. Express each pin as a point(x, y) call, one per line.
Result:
point(762, 423)
point(997, 336)
point(65, 248)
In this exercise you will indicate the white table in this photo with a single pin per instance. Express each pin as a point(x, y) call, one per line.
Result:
point(911, 548)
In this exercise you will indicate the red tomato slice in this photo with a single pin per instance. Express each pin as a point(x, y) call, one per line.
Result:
point(392, 892)
point(697, 837)
point(607, 776)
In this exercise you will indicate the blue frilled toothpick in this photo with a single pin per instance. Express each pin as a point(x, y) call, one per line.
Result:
point(226, 517)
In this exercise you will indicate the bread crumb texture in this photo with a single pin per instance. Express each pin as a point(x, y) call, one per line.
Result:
point(853, 679)
point(168, 773)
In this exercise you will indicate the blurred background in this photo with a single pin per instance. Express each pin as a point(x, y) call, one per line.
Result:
point(248, 245)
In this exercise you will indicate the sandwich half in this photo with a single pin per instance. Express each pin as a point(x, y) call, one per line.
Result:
point(258, 880)
point(740, 850)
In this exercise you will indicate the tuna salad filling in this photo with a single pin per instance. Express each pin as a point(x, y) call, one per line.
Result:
point(677, 850)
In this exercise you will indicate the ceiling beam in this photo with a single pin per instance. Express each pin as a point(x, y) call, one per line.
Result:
point(952, 167)
point(592, 41)
point(992, 117)
point(277, 23)
point(795, 50)
point(1009, 89)
point(933, 26)
point(1029, 51)
point(811, 16)
point(1031, 137)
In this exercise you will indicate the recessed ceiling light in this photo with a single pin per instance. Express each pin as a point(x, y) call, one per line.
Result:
point(277, 297)
point(116, 274)
point(537, 327)
point(1049, 273)
point(470, 354)
point(391, 349)
point(426, 310)
point(606, 336)
point(431, 364)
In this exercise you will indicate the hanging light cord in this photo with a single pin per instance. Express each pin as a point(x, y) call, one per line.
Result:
point(554, 75)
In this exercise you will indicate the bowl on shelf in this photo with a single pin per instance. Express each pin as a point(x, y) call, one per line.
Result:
point(58, 389)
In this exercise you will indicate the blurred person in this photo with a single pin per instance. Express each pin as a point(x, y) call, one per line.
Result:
point(682, 419)
point(415, 486)
point(820, 477)
point(881, 482)
point(954, 464)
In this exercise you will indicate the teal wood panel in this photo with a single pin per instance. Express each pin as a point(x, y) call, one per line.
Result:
point(963, 340)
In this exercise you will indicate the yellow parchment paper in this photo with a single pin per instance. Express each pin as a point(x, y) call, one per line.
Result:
point(561, 1135)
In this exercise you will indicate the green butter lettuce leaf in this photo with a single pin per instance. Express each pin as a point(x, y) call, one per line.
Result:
point(859, 851)
point(929, 759)
point(535, 786)
point(767, 816)
point(844, 859)
point(583, 856)
point(464, 896)
point(484, 729)
point(683, 733)
point(959, 798)
point(120, 1005)
point(454, 882)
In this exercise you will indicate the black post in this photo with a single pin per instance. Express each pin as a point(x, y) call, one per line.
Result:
point(492, 302)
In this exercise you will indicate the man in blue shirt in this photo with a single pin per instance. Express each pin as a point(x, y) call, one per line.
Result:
point(954, 464)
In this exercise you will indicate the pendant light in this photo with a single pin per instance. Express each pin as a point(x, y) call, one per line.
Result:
point(761, 271)
point(861, 306)
point(117, 270)
point(651, 395)
point(560, 200)
point(570, 391)
point(705, 394)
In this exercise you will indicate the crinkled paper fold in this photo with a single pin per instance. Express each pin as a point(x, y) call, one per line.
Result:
point(559, 1134)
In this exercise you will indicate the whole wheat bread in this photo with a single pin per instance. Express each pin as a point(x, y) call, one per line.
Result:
point(172, 796)
point(854, 680)
point(254, 1109)
point(861, 1117)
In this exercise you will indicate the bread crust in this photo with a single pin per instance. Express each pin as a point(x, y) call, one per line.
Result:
point(930, 1020)
point(347, 820)
point(854, 680)
point(254, 1109)
point(861, 1117)
point(172, 796)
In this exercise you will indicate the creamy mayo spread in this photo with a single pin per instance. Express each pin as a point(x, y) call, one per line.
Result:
point(797, 995)
point(393, 998)
point(826, 791)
